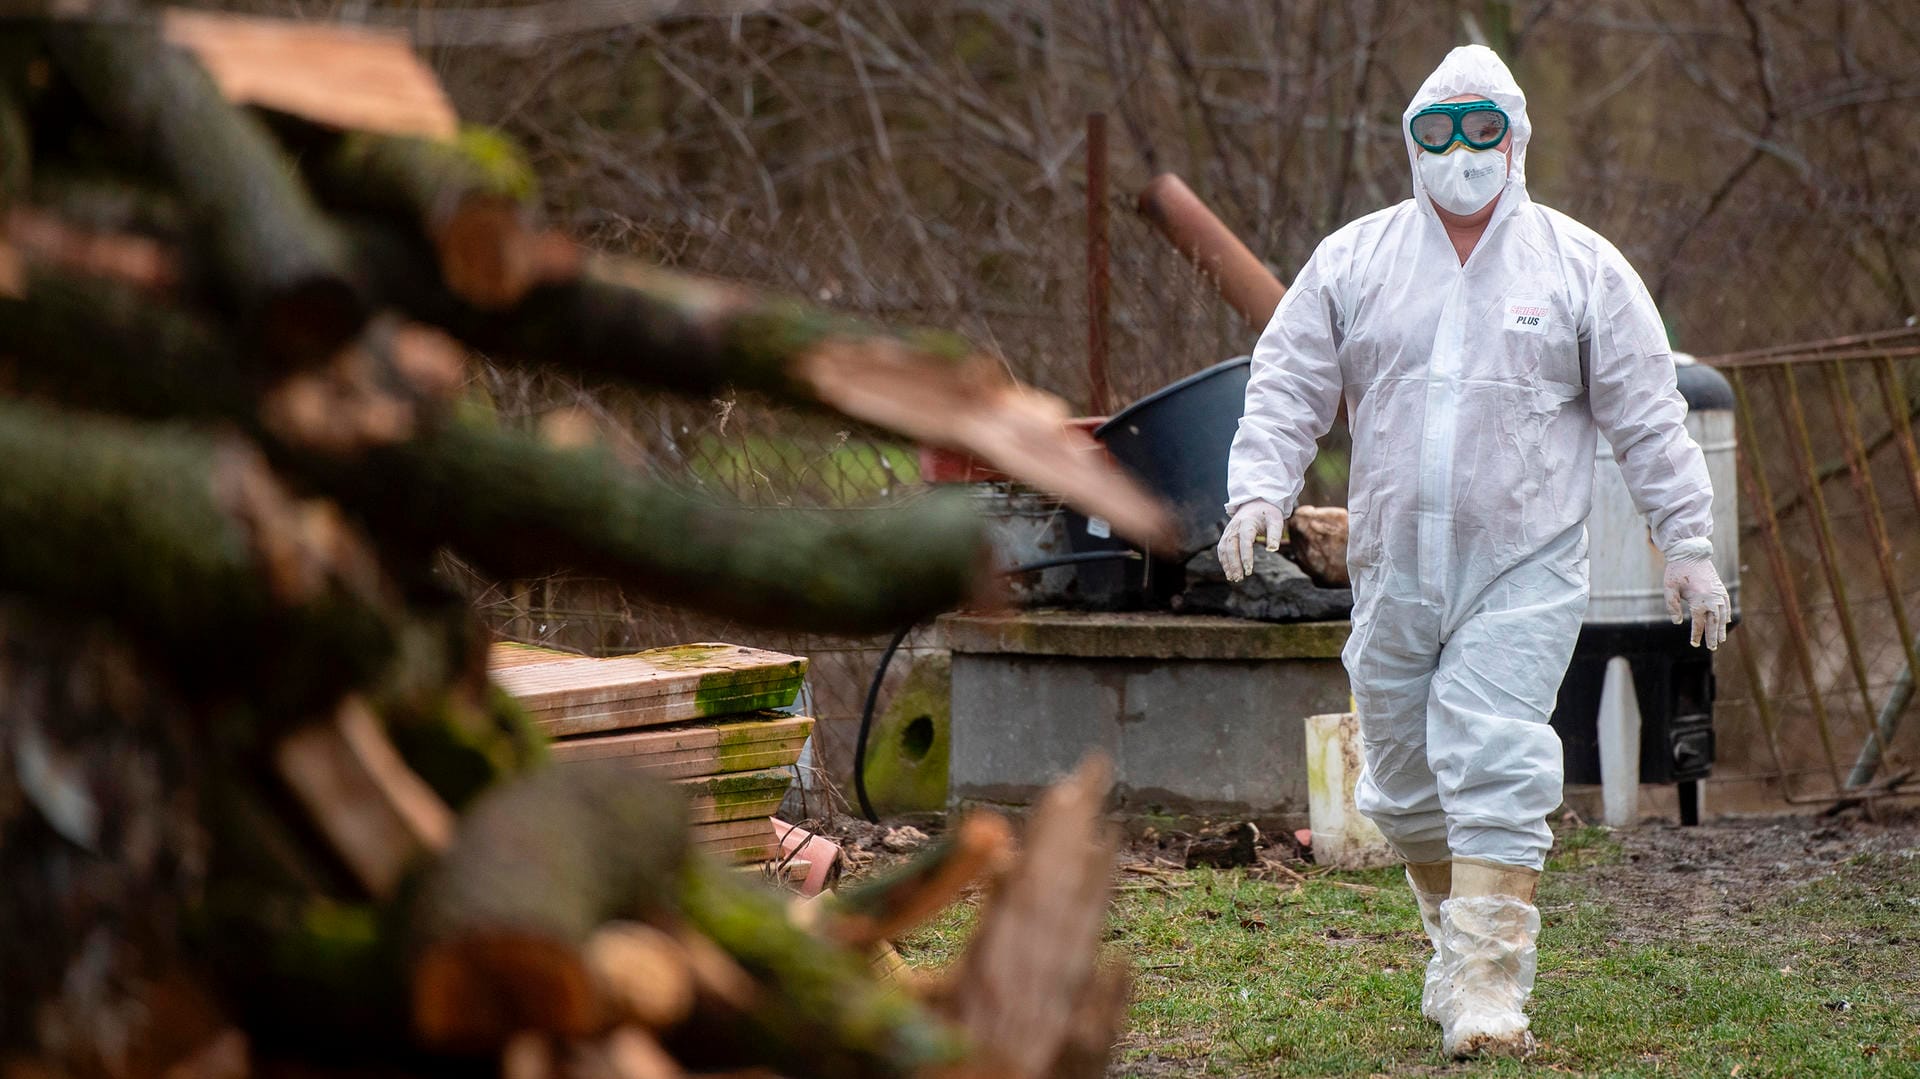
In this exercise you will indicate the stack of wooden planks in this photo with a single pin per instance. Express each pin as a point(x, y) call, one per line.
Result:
point(697, 714)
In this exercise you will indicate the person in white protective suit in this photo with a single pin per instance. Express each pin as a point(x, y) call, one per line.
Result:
point(1479, 340)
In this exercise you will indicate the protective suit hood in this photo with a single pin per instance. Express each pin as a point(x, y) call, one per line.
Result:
point(1473, 69)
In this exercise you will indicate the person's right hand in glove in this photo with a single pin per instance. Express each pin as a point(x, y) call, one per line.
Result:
point(1252, 521)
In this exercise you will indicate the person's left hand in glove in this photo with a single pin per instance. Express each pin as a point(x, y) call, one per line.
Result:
point(1694, 589)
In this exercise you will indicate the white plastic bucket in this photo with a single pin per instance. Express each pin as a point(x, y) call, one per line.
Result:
point(1342, 838)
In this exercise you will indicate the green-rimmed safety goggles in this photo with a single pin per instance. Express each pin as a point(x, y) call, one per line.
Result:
point(1479, 124)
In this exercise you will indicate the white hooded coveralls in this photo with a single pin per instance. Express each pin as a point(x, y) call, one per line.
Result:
point(1474, 393)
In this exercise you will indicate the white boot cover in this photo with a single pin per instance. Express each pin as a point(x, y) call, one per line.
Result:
point(1489, 953)
point(1436, 965)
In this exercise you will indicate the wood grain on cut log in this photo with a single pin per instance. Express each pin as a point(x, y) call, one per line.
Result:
point(537, 866)
point(718, 978)
point(344, 76)
point(378, 817)
point(377, 390)
point(879, 910)
point(126, 257)
point(1097, 1019)
point(1021, 991)
point(643, 973)
point(472, 198)
point(973, 405)
point(276, 258)
point(649, 326)
point(1317, 543)
point(623, 1053)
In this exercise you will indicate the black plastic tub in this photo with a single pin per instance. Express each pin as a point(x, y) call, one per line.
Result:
point(1176, 441)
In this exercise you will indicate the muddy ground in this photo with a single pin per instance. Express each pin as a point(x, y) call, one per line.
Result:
point(1669, 878)
point(1675, 881)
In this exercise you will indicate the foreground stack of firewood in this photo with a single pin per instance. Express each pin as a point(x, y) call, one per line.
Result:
point(690, 714)
point(261, 807)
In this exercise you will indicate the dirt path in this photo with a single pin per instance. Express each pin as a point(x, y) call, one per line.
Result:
point(1688, 881)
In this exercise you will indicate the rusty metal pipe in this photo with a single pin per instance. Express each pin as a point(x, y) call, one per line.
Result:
point(1878, 339)
point(1242, 280)
point(1847, 419)
point(1793, 416)
point(1898, 411)
point(1753, 478)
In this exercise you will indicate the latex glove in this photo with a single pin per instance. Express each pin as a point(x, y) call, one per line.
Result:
point(1694, 589)
point(1251, 521)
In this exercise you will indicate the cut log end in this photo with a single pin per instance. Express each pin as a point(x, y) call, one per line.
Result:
point(302, 547)
point(131, 259)
point(972, 404)
point(377, 391)
point(475, 992)
point(491, 257)
point(378, 816)
point(643, 973)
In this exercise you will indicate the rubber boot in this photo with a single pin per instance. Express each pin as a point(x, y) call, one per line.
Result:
point(1432, 882)
point(1489, 932)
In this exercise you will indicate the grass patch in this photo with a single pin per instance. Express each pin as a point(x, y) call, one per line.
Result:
point(1242, 976)
point(846, 472)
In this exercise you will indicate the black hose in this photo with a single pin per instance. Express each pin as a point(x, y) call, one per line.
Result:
point(886, 659)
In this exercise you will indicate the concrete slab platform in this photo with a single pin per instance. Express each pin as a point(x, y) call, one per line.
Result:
point(1202, 715)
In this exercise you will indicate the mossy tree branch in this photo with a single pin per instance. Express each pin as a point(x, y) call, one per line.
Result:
point(188, 536)
point(277, 260)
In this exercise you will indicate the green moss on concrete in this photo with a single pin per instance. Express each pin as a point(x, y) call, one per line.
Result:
point(1143, 635)
point(908, 750)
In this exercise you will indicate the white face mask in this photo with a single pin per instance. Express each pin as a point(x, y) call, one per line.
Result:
point(1465, 180)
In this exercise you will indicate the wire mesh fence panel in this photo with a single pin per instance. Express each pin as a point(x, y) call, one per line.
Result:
point(1814, 699)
